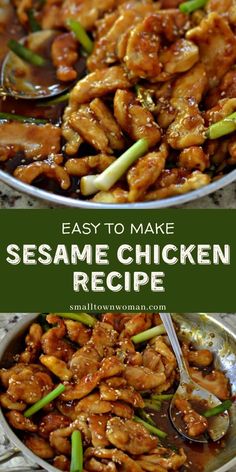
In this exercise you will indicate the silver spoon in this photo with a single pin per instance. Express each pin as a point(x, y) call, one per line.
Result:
point(23, 80)
point(190, 390)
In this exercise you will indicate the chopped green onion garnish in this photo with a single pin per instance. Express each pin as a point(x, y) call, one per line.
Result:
point(24, 119)
point(150, 428)
point(114, 172)
point(152, 405)
point(25, 53)
point(148, 334)
point(62, 98)
point(222, 127)
point(45, 401)
point(224, 406)
point(76, 452)
point(88, 185)
point(34, 25)
point(192, 5)
point(162, 397)
point(84, 318)
point(146, 417)
point(81, 35)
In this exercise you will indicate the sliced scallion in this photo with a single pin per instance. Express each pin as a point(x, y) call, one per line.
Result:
point(148, 334)
point(150, 428)
point(21, 118)
point(81, 35)
point(25, 53)
point(84, 318)
point(45, 401)
point(217, 410)
point(192, 5)
point(76, 452)
point(222, 127)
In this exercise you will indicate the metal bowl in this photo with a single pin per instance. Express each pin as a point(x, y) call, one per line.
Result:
point(204, 330)
point(73, 203)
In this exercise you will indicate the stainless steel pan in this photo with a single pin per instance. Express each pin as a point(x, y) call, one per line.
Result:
point(202, 329)
point(73, 203)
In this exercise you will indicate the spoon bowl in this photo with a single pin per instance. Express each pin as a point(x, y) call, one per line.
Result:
point(21, 79)
point(194, 393)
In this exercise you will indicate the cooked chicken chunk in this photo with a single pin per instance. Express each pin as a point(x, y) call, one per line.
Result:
point(216, 382)
point(50, 168)
point(130, 436)
point(97, 425)
point(126, 394)
point(163, 457)
point(118, 457)
point(143, 378)
point(18, 421)
point(196, 424)
point(86, 165)
point(194, 158)
point(64, 56)
point(57, 367)
point(29, 387)
point(39, 446)
point(188, 127)
point(53, 342)
point(51, 422)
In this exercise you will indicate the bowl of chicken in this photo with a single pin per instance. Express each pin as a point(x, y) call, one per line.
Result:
point(158, 83)
point(115, 388)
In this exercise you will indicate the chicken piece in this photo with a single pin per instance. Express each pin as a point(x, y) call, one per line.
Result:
point(202, 358)
point(33, 344)
point(51, 17)
point(110, 366)
point(87, 13)
point(57, 367)
point(115, 195)
point(188, 127)
point(7, 402)
point(192, 84)
point(194, 158)
point(19, 422)
point(130, 436)
point(97, 84)
point(106, 120)
point(103, 25)
point(226, 8)
point(6, 374)
point(85, 361)
point(61, 462)
point(179, 57)
point(51, 422)
point(73, 139)
point(93, 404)
point(77, 332)
point(167, 384)
point(116, 382)
point(36, 141)
point(115, 455)
point(143, 378)
point(217, 46)
point(39, 446)
point(225, 89)
point(97, 425)
point(29, 387)
point(52, 341)
point(145, 172)
point(60, 438)
point(126, 394)
point(126, 352)
point(64, 56)
point(170, 3)
point(83, 121)
point(50, 168)
point(86, 165)
point(67, 409)
point(224, 108)
point(186, 184)
point(136, 324)
point(196, 424)
point(103, 337)
point(216, 382)
point(163, 457)
point(93, 465)
point(105, 48)
point(136, 121)
point(152, 360)
point(167, 355)
point(143, 46)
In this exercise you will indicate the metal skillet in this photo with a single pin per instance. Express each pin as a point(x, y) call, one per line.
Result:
point(203, 330)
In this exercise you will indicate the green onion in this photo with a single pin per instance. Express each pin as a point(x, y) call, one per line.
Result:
point(150, 428)
point(45, 401)
point(114, 172)
point(88, 185)
point(24, 119)
point(148, 334)
point(223, 127)
point(192, 5)
point(81, 35)
point(146, 417)
point(25, 53)
point(226, 405)
point(152, 405)
point(84, 318)
point(34, 25)
point(62, 98)
point(76, 452)
point(163, 397)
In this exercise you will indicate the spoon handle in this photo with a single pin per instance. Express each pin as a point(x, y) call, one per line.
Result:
point(168, 323)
